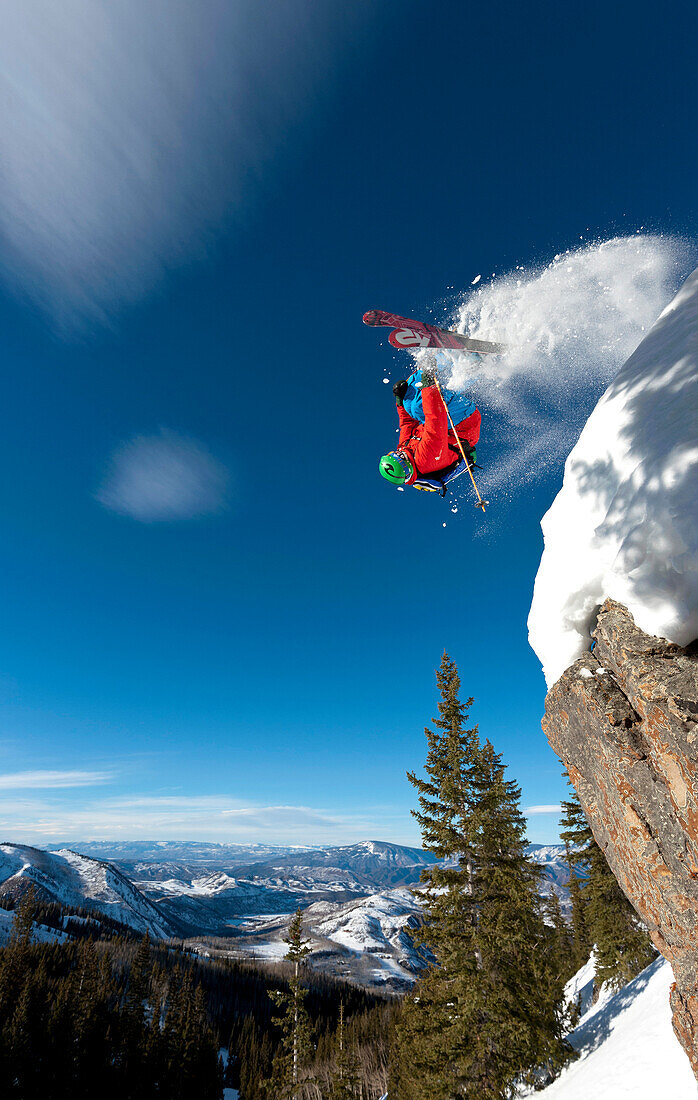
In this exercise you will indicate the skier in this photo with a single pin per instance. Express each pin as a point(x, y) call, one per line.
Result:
point(427, 451)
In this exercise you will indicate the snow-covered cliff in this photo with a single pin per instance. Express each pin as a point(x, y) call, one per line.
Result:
point(625, 523)
point(620, 565)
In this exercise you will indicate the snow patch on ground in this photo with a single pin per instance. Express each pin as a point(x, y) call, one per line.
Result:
point(580, 989)
point(274, 950)
point(627, 1046)
point(624, 523)
point(40, 933)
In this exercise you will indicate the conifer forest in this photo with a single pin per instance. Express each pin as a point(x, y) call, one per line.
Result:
point(98, 1010)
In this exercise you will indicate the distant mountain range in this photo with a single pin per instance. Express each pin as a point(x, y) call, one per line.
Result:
point(178, 850)
point(208, 888)
point(358, 898)
point(79, 882)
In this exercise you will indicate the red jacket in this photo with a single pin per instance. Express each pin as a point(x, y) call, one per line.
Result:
point(432, 446)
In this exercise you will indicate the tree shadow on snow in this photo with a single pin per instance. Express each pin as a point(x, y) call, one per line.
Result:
point(589, 1035)
point(646, 490)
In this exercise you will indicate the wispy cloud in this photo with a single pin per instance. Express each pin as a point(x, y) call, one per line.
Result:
point(204, 817)
point(164, 477)
point(42, 780)
point(548, 808)
point(130, 130)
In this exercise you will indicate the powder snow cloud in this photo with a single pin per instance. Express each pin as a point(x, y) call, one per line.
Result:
point(164, 477)
point(568, 325)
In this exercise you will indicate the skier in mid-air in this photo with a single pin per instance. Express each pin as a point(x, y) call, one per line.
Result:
point(427, 450)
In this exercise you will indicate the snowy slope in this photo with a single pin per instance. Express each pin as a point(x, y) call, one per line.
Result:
point(627, 1046)
point(364, 941)
point(41, 933)
point(377, 926)
point(77, 881)
point(624, 523)
point(211, 890)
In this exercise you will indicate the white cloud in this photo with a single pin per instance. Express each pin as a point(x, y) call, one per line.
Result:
point(130, 130)
point(551, 808)
point(164, 477)
point(204, 817)
point(40, 780)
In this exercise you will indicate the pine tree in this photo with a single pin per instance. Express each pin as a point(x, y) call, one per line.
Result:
point(425, 1052)
point(345, 1084)
point(189, 1060)
point(485, 1013)
point(446, 818)
point(602, 915)
point(577, 837)
point(24, 916)
point(519, 1033)
point(134, 1018)
point(293, 1055)
point(623, 946)
point(559, 939)
point(253, 1049)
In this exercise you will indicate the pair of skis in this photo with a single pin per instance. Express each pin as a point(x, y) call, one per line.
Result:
point(417, 334)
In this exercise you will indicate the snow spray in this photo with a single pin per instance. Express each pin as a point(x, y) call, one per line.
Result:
point(568, 326)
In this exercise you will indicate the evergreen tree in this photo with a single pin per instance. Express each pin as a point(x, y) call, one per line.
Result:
point(581, 939)
point(254, 1050)
point(485, 1013)
point(24, 916)
point(577, 837)
point(134, 1020)
point(623, 946)
point(425, 1052)
point(602, 916)
point(72, 1024)
point(345, 1083)
point(290, 1065)
point(517, 1004)
point(559, 939)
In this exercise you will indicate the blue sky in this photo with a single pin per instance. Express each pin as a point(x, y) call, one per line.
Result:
point(218, 621)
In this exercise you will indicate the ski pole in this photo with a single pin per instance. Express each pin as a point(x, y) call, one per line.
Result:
point(480, 502)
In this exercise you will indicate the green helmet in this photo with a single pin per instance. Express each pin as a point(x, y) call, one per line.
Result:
point(396, 468)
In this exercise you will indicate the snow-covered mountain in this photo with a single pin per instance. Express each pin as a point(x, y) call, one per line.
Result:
point(78, 881)
point(209, 889)
point(364, 941)
point(357, 898)
point(626, 1043)
point(199, 851)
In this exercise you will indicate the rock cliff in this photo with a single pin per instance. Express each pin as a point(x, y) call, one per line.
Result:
point(624, 721)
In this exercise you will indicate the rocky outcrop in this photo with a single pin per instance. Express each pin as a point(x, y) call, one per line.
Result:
point(624, 721)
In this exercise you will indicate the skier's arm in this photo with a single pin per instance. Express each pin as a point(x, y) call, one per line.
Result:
point(407, 425)
point(431, 453)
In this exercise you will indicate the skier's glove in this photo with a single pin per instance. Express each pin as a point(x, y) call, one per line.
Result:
point(428, 376)
point(400, 389)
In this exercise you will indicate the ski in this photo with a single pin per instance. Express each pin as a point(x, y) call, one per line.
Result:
point(417, 334)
